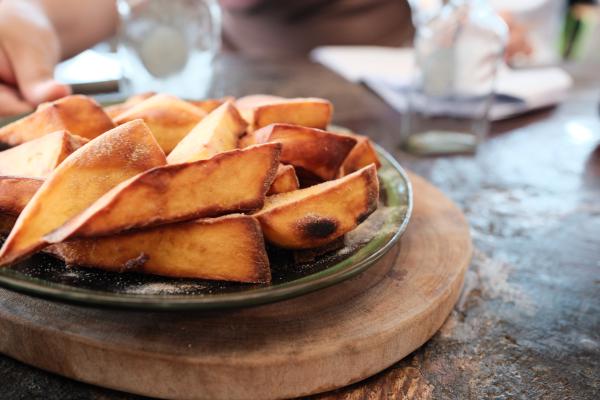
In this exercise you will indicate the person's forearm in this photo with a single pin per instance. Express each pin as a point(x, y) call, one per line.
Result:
point(80, 24)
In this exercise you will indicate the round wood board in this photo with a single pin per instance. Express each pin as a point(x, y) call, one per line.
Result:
point(314, 343)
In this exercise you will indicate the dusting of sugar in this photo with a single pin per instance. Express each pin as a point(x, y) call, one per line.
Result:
point(163, 288)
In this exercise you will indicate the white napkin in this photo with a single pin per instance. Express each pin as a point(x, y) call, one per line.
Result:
point(387, 71)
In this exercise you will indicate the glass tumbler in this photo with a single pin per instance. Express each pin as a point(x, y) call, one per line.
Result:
point(168, 46)
point(457, 52)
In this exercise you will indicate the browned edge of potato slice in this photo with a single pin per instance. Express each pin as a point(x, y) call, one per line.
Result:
point(80, 115)
point(320, 214)
point(219, 131)
point(285, 180)
point(168, 117)
point(263, 110)
point(319, 152)
point(361, 155)
point(114, 110)
point(78, 181)
point(229, 248)
point(38, 157)
point(236, 181)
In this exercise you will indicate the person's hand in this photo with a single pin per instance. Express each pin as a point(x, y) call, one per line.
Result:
point(29, 51)
point(518, 38)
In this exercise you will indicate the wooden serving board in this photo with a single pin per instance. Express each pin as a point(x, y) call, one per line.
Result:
point(310, 344)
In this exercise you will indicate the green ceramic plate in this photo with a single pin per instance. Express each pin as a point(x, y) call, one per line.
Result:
point(294, 273)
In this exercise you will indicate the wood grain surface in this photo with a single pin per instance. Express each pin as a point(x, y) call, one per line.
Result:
point(310, 344)
point(527, 323)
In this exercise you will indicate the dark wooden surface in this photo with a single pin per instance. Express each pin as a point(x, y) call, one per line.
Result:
point(528, 321)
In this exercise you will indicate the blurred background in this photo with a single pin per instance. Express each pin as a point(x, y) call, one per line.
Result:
point(167, 38)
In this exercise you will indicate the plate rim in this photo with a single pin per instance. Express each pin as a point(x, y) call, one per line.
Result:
point(240, 299)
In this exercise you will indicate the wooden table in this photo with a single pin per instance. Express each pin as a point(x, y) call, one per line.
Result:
point(528, 322)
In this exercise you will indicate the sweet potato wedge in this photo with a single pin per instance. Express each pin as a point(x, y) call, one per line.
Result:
point(362, 154)
point(78, 181)
point(285, 180)
point(209, 105)
point(219, 131)
point(234, 181)
point(116, 109)
point(168, 117)
point(38, 157)
point(262, 110)
point(229, 248)
point(318, 152)
point(246, 140)
point(318, 215)
point(15, 193)
point(80, 115)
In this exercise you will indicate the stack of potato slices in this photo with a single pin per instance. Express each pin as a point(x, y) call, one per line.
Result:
point(178, 188)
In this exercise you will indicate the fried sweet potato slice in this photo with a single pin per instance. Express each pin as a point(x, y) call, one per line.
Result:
point(234, 181)
point(252, 101)
point(80, 115)
point(38, 157)
point(318, 215)
point(285, 180)
point(219, 131)
point(209, 105)
point(168, 117)
point(15, 193)
point(78, 181)
point(318, 152)
point(116, 109)
point(361, 155)
point(262, 110)
point(229, 248)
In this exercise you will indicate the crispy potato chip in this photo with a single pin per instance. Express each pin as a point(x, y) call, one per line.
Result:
point(235, 181)
point(318, 152)
point(78, 181)
point(80, 115)
point(38, 157)
point(229, 248)
point(168, 117)
point(218, 132)
point(320, 214)
point(285, 180)
point(263, 110)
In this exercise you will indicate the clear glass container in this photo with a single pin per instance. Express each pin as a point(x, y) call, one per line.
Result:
point(457, 52)
point(169, 45)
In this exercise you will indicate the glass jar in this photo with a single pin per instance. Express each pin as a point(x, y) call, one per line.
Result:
point(457, 52)
point(169, 46)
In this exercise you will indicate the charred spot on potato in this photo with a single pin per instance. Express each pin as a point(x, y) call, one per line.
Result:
point(135, 264)
point(317, 227)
